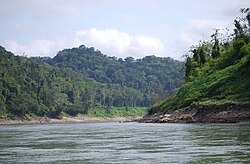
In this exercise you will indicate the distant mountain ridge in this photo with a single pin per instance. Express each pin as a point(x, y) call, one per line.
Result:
point(154, 77)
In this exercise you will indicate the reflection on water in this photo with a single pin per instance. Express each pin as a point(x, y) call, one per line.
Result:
point(112, 142)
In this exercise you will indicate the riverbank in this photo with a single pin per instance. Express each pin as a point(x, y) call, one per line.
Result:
point(203, 114)
point(43, 120)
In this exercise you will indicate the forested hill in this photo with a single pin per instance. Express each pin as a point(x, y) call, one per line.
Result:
point(28, 87)
point(152, 78)
point(83, 81)
point(217, 87)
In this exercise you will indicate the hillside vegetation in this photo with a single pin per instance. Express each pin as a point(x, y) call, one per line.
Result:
point(83, 81)
point(143, 81)
point(217, 73)
point(33, 88)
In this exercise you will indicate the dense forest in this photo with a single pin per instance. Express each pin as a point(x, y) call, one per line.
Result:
point(83, 81)
point(29, 87)
point(217, 72)
point(144, 81)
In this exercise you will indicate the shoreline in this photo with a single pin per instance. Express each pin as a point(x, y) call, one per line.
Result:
point(84, 119)
point(230, 113)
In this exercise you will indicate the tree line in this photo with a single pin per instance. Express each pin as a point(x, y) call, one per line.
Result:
point(209, 53)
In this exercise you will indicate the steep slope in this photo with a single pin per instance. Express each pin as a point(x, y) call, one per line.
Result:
point(221, 96)
point(217, 88)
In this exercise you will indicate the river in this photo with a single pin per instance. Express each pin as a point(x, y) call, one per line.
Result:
point(135, 143)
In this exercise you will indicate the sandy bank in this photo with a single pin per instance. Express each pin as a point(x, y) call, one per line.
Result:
point(35, 120)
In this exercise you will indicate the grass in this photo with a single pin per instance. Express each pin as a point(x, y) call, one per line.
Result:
point(227, 85)
point(118, 112)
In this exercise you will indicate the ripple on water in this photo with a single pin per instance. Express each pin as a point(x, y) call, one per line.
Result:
point(111, 142)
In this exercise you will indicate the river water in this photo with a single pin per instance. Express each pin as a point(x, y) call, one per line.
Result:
point(135, 143)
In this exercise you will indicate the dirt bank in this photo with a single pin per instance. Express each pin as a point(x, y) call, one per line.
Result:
point(35, 120)
point(203, 114)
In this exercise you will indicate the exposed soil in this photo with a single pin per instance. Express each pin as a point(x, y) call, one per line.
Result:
point(203, 114)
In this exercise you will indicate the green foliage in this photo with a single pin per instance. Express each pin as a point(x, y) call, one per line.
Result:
point(196, 56)
point(188, 65)
point(245, 50)
point(216, 50)
point(118, 112)
point(239, 29)
point(83, 81)
point(215, 87)
point(222, 79)
point(202, 56)
point(145, 80)
point(30, 87)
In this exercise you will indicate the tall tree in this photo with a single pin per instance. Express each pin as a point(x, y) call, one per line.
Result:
point(188, 65)
point(216, 46)
point(202, 55)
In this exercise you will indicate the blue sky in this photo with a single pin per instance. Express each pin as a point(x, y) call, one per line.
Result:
point(118, 28)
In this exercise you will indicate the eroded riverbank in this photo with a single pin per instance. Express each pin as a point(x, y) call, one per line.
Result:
point(203, 114)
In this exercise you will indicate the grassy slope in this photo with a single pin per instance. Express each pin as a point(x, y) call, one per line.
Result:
point(226, 82)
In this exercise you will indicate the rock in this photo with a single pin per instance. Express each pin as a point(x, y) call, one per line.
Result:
point(203, 114)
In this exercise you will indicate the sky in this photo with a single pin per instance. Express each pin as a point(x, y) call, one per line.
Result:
point(120, 28)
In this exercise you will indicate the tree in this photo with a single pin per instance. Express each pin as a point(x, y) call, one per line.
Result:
point(87, 100)
point(188, 65)
point(242, 24)
point(238, 31)
point(196, 55)
point(202, 55)
point(216, 46)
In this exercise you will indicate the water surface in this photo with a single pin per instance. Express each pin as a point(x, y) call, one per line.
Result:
point(113, 142)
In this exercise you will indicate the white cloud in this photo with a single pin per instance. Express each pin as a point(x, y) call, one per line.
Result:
point(110, 41)
point(121, 44)
point(41, 26)
point(105, 40)
point(36, 48)
point(195, 31)
point(228, 8)
point(200, 30)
